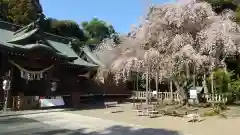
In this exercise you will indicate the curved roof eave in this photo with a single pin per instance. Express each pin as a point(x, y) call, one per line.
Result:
point(23, 36)
point(89, 53)
point(31, 47)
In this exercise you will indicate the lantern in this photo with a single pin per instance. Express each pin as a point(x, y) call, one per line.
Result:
point(6, 85)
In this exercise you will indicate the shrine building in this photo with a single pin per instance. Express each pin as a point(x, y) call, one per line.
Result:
point(39, 64)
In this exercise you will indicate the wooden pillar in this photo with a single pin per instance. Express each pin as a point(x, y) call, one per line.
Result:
point(21, 104)
point(75, 99)
point(9, 102)
point(13, 102)
point(19, 101)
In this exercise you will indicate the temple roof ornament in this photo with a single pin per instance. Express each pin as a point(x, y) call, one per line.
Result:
point(37, 5)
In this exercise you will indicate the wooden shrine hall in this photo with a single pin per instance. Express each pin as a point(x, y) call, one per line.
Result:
point(39, 64)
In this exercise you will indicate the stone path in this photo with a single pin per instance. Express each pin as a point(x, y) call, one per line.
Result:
point(62, 123)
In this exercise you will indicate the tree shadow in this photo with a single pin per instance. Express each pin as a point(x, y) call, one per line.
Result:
point(114, 130)
point(84, 106)
point(10, 126)
point(16, 120)
point(19, 113)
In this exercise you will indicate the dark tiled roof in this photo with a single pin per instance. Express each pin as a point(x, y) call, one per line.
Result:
point(92, 56)
point(60, 44)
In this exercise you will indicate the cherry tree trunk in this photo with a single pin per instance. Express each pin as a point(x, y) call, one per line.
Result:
point(171, 89)
point(212, 83)
point(147, 85)
point(204, 84)
point(194, 77)
point(156, 82)
point(181, 91)
point(137, 82)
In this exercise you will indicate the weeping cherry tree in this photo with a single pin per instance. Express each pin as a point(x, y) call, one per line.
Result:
point(178, 42)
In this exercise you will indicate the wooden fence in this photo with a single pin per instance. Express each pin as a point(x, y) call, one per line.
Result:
point(216, 98)
point(211, 98)
point(160, 95)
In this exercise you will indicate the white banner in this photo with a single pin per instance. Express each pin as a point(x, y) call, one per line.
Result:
point(51, 102)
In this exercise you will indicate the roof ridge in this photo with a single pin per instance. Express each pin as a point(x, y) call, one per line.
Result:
point(47, 33)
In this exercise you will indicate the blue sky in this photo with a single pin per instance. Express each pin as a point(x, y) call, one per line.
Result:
point(120, 13)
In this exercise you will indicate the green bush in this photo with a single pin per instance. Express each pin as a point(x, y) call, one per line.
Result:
point(210, 113)
point(235, 85)
point(222, 80)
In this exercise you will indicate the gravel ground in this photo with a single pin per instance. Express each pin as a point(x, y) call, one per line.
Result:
point(103, 122)
point(209, 125)
point(62, 123)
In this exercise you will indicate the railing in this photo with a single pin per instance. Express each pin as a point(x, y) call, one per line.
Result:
point(216, 98)
point(160, 95)
point(212, 98)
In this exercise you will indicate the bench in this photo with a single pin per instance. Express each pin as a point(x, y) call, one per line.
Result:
point(151, 111)
point(117, 108)
point(109, 104)
point(193, 117)
point(146, 110)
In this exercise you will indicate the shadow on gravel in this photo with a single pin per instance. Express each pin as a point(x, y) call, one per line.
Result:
point(19, 113)
point(23, 126)
point(115, 130)
point(89, 106)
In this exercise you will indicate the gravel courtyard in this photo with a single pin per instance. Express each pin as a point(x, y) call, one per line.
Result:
point(209, 126)
point(102, 122)
point(62, 123)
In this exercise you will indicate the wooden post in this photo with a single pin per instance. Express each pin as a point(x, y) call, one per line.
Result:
point(13, 103)
point(5, 101)
point(75, 99)
point(21, 101)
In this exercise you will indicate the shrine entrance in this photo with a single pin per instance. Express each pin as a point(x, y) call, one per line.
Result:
point(31, 77)
point(31, 82)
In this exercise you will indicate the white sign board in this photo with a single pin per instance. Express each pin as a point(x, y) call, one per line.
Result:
point(193, 94)
point(6, 85)
point(154, 92)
